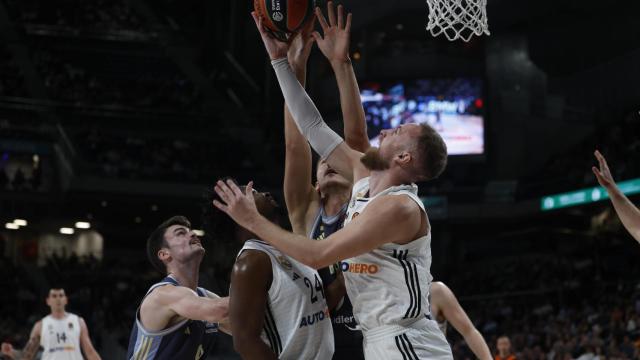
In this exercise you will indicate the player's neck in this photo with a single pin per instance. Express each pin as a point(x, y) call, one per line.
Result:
point(333, 203)
point(187, 275)
point(58, 314)
point(382, 180)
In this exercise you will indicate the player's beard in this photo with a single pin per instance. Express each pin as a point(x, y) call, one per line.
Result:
point(373, 161)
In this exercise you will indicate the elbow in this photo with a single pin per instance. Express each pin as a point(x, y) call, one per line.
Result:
point(295, 146)
point(242, 343)
point(469, 332)
point(359, 141)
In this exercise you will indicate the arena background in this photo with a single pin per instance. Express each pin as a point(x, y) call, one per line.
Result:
point(121, 113)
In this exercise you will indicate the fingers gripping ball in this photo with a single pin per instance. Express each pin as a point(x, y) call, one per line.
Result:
point(283, 17)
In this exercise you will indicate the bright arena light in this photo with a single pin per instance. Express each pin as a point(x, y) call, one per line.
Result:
point(12, 226)
point(66, 231)
point(83, 225)
point(198, 232)
point(20, 222)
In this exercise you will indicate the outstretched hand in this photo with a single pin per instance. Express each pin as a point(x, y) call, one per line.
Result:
point(275, 48)
point(241, 207)
point(603, 174)
point(300, 47)
point(334, 43)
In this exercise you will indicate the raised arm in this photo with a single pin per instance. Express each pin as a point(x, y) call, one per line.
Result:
point(299, 193)
point(168, 301)
point(446, 301)
point(33, 344)
point(250, 281)
point(386, 219)
point(89, 351)
point(334, 44)
point(628, 213)
point(325, 142)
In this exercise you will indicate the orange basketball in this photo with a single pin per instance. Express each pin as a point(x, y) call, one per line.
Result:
point(284, 16)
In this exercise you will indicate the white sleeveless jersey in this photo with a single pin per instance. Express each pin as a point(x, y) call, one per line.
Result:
point(388, 285)
point(60, 338)
point(297, 323)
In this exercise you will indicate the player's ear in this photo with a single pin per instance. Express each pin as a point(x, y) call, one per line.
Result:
point(404, 158)
point(163, 254)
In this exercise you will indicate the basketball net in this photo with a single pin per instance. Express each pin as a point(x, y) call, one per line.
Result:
point(458, 19)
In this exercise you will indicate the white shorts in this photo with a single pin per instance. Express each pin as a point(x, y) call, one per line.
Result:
point(421, 340)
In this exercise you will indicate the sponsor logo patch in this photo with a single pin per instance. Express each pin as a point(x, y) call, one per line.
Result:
point(359, 268)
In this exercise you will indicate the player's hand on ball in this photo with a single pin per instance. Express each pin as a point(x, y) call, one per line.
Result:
point(241, 207)
point(603, 174)
point(334, 42)
point(300, 47)
point(275, 48)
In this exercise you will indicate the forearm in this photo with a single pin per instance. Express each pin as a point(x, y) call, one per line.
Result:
point(304, 112)
point(31, 349)
point(628, 213)
point(476, 343)
point(355, 128)
point(216, 311)
point(92, 355)
point(307, 251)
point(252, 348)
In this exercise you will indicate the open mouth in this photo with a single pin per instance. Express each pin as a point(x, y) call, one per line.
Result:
point(195, 241)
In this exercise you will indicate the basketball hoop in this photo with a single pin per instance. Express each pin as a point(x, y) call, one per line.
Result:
point(458, 19)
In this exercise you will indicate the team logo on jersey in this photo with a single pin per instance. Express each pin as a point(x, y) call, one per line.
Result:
point(314, 318)
point(284, 262)
point(359, 268)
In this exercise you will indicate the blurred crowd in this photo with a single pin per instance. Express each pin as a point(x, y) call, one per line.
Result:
point(11, 80)
point(173, 159)
point(72, 80)
point(77, 14)
point(618, 141)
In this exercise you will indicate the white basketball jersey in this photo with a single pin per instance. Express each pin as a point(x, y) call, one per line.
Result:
point(60, 338)
point(389, 285)
point(297, 323)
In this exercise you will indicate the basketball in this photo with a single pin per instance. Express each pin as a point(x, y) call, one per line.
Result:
point(284, 16)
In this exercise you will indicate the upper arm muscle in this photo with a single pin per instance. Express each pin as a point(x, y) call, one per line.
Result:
point(250, 281)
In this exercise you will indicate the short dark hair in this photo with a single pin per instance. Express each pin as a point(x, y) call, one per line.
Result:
point(156, 241)
point(433, 153)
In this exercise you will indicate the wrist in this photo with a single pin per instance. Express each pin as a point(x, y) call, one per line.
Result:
point(341, 63)
point(253, 222)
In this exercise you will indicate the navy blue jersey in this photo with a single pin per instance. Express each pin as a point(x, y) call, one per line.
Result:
point(188, 339)
point(348, 341)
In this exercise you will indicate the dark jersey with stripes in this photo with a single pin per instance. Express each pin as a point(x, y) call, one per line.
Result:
point(188, 339)
point(348, 340)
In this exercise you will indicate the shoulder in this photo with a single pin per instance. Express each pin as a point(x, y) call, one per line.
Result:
point(166, 295)
point(396, 207)
point(252, 267)
point(251, 260)
point(440, 290)
point(37, 328)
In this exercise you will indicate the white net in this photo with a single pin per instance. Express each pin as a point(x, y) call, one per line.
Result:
point(458, 19)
